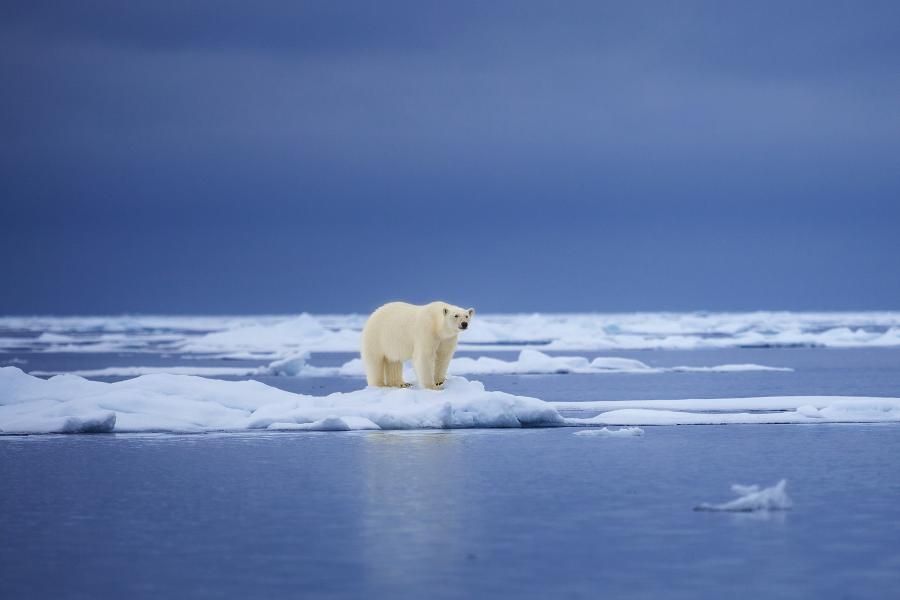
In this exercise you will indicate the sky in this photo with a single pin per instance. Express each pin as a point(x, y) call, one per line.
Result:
point(278, 157)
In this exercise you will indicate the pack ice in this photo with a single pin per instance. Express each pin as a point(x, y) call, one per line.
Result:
point(278, 336)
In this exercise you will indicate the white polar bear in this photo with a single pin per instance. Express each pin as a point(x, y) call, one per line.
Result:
point(399, 331)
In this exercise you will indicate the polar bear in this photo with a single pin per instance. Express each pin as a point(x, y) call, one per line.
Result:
point(399, 331)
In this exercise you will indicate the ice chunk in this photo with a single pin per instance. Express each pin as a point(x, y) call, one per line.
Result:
point(291, 365)
point(611, 363)
point(752, 498)
point(606, 432)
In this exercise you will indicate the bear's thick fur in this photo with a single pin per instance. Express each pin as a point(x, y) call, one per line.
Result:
point(399, 331)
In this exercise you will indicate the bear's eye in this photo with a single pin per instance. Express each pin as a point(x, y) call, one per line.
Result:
point(455, 316)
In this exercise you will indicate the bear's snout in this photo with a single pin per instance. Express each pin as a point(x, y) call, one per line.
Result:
point(464, 325)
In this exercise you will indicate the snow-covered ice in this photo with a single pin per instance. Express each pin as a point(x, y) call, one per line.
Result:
point(273, 336)
point(301, 332)
point(180, 403)
point(724, 411)
point(529, 362)
point(134, 371)
point(752, 498)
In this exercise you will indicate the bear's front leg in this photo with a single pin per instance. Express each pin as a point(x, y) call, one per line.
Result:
point(442, 361)
point(423, 363)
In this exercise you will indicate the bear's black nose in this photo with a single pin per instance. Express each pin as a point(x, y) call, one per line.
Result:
point(464, 325)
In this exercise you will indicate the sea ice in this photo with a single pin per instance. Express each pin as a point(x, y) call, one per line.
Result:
point(181, 403)
point(606, 432)
point(752, 498)
point(273, 336)
point(529, 362)
point(723, 411)
point(130, 371)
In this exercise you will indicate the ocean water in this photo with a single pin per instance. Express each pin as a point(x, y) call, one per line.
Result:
point(531, 513)
point(522, 513)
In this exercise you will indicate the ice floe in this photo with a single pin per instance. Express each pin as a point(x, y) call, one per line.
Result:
point(272, 336)
point(752, 498)
point(724, 411)
point(529, 362)
point(181, 403)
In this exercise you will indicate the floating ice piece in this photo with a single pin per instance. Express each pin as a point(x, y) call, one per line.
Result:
point(752, 498)
point(291, 365)
point(179, 403)
point(723, 411)
point(529, 362)
point(606, 432)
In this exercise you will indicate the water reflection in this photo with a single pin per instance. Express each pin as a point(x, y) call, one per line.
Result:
point(414, 510)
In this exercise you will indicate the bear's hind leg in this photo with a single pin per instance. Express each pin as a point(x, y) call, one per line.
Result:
point(394, 372)
point(375, 369)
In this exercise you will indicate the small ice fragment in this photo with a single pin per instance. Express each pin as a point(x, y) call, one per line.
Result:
point(752, 499)
point(606, 432)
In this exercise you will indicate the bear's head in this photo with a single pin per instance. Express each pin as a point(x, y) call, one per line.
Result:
point(456, 318)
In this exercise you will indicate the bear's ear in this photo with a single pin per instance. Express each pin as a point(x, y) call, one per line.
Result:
point(445, 311)
point(471, 312)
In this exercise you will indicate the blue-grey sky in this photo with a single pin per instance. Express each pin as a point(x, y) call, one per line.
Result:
point(216, 156)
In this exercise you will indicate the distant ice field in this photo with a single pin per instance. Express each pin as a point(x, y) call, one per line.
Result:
point(280, 336)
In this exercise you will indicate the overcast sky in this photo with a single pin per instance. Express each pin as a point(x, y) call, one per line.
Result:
point(210, 157)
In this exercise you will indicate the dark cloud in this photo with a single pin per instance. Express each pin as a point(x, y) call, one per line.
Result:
point(535, 139)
